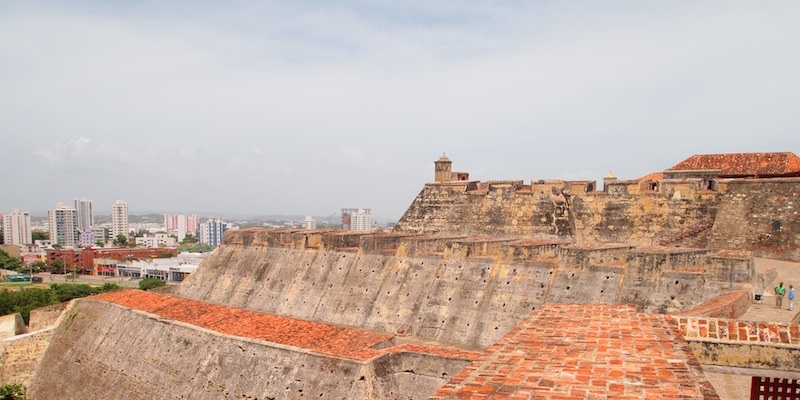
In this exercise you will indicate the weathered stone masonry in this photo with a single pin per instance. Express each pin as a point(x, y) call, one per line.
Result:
point(758, 215)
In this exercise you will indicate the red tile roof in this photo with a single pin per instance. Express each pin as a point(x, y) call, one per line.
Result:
point(655, 176)
point(743, 164)
point(585, 351)
point(319, 338)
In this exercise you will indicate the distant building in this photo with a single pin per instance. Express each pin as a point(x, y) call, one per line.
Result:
point(192, 222)
point(100, 235)
point(17, 228)
point(361, 220)
point(119, 219)
point(85, 216)
point(180, 224)
point(310, 223)
point(82, 260)
point(157, 240)
point(347, 218)
point(86, 239)
point(63, 225)
point(210, 232)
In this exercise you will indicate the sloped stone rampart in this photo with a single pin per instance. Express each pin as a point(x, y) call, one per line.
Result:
point(105, 350)
point(20, 355)
point(11, 324)
point(46, 317)
point(471, 293)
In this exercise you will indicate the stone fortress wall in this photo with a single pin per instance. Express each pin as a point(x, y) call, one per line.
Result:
point(190, 350)
point(758, 215)
point(463, 290)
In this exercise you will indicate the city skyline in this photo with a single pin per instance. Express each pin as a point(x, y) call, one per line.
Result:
point(305, 108)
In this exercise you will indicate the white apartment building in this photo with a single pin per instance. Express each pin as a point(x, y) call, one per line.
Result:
point(157, 240)
point(63, 225)
point(119, 219)
point(211, 231)
point(85, 215)
point(310, 223)
point(17, 228)
point(361, 220)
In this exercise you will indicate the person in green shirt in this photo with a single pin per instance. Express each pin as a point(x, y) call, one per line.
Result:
point(779, 291)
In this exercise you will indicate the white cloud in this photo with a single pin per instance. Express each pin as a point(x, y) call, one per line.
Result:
point(509, 90)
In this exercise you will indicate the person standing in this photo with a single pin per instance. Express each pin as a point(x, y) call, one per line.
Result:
point(779, 291)
point(791, 297)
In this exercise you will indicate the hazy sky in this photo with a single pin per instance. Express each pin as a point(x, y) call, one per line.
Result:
point(306, 107)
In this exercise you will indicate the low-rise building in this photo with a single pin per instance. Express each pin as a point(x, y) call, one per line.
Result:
point(82, 260)
point(157, 240)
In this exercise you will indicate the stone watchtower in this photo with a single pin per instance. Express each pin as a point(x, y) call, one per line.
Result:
point(444, 169)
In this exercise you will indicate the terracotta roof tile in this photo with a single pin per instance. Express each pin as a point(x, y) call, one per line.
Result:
point(655, 176)
point(585, 351)
point(320, 338)
point(743, 164)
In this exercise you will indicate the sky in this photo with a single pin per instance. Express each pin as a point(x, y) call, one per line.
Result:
point(305, 108)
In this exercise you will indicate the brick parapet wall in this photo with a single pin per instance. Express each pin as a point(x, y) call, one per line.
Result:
point(744, 344)
point(732, 331)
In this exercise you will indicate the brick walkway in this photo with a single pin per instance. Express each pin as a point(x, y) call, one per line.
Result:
point(585, 351)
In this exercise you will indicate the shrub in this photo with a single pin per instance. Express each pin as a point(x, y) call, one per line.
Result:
point(67, 292)
point(151, 283)
point(12, 391)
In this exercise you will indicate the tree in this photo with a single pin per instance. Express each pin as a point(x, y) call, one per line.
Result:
point(58, 266)
point(8, 262)
point(151, 283)
point(121, 240)
point(189, 239)
point(39, 235)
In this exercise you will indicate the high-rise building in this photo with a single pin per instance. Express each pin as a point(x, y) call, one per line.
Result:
point(180, 224)
point(85, 216)
point(192, 223)
point(119, 219)
point(211, 231)
point(63, 225)
point(180, 227)
point(311, 223)
point(17, 228)
point(361, 220)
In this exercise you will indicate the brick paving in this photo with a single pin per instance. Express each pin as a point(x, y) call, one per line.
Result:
point(585, 351)
point(323, 339)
